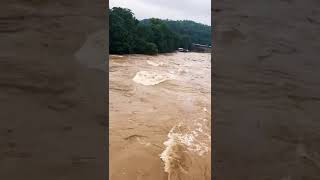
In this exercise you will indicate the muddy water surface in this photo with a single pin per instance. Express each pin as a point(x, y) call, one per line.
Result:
point(159, 112)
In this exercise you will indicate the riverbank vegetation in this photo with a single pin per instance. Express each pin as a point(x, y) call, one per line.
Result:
point(127, 35)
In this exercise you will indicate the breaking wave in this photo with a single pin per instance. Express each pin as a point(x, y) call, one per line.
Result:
point(186, 145)
point(149, 78)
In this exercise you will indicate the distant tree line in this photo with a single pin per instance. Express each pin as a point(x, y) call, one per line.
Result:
point(151, 36)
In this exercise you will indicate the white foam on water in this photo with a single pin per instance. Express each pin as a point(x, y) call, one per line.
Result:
point(174, 154)
point(205, 109)
point(186, 139)
point(116, 56)
point(152, 63)
point(148, 78)
point(182, 70)
point(180, 143)
point(155, 64)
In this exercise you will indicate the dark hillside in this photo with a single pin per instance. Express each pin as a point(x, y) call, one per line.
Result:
point(151, 36)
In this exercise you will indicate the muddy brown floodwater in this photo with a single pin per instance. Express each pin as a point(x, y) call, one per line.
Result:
point(159, 117)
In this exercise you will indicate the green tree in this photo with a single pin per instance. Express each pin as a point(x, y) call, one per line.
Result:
point(122, 30)
point(152, 36)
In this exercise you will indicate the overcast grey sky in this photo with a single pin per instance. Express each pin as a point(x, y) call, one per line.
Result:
point(196, 10)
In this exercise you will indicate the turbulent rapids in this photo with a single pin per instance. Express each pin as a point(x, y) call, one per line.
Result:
point(182, 147)
point(160, 117)
point(149, 78)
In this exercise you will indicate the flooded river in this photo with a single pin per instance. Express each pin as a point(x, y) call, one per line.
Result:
point(159, 117)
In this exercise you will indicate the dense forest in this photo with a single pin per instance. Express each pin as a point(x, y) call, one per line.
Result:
point(151, 36)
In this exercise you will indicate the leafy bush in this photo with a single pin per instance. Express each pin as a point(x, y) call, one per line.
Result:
point(151, 48)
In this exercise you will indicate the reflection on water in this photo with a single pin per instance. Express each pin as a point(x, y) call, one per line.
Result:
point(160, 117)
